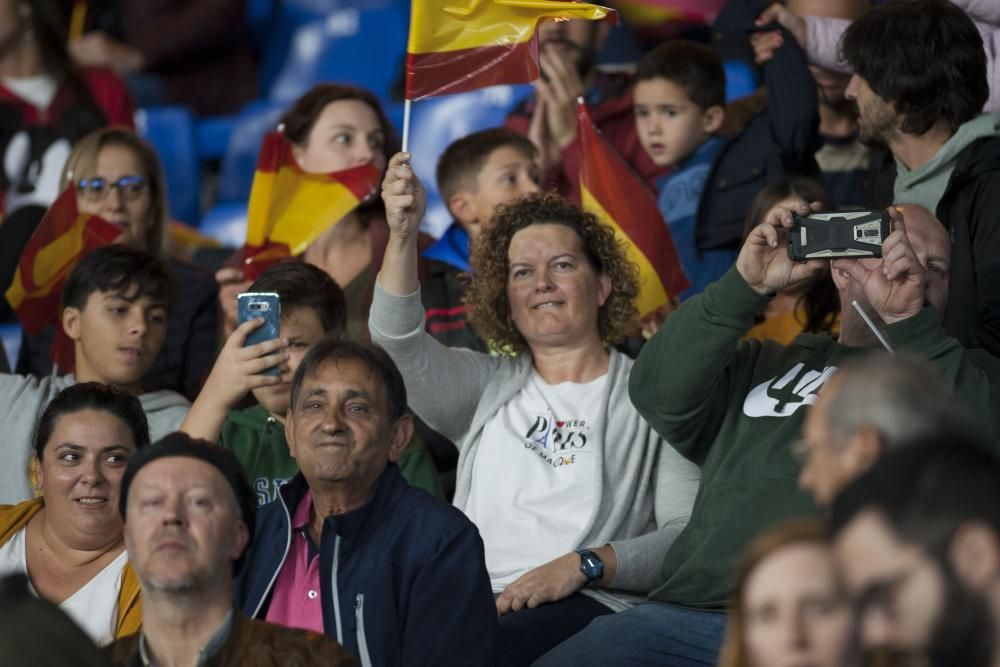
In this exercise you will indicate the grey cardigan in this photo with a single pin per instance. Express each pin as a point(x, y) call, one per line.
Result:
point(645, 488)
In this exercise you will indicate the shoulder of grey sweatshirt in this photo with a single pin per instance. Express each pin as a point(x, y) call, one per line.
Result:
point(823, 35)
point(457, 391)
point(943, 162)
point(22, 399)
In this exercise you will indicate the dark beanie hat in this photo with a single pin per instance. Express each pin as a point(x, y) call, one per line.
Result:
point(220, 458)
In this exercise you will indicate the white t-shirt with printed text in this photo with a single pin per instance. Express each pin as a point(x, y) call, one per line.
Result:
point(534, 483)
point(94, 607)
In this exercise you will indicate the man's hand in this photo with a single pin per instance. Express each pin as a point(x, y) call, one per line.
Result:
point(783, 16)
point(551, 582)
point(560, 86)
point(895, 285)
point(538, 133)
point(764, 45)
point(404, 197)
point(96, 49)
point(763, 261)
point(232, 283)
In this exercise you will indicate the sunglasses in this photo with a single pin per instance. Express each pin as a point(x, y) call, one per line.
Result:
point(129, 188)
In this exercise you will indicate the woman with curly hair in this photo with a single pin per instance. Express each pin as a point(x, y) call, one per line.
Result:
point(576, 498)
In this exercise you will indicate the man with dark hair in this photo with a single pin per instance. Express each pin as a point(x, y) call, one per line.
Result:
point(873, 404)
point(920, 83)
point(312, 307)
point(917, 542)
point(396, 576)
point(114, 309)
point(189, 515)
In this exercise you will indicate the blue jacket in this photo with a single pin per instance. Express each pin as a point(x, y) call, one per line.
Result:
point(407, 580)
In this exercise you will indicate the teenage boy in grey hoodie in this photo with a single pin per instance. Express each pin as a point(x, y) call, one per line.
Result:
point(114, 308)
point(921, 97)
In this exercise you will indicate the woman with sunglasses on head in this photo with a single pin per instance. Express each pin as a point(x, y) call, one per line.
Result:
point(118, 177)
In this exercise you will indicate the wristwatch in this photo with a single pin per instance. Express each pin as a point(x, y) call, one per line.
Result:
point(591, 565)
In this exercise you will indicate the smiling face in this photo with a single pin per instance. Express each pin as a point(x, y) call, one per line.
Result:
point(795, 615)
point(129, 206)
point(302, 327)
point(554, 292)
point(80, 476)
point(184, 527)
point(670, 126)
point(117, 336)
point(346, 134)
point(340, 431)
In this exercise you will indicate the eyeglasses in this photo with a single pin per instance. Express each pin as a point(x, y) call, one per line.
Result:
point(96, 189)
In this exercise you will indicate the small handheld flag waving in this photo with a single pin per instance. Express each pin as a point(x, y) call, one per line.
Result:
point(617, 196)
point(290, 208)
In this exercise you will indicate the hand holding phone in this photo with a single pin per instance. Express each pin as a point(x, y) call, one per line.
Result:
point(838, 235)
point(265, 306)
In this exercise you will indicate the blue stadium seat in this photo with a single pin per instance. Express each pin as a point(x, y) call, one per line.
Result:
point(240, 159)
point(10, 336)
point(339, 48)
point(171, 131)
point(226, 223)
point(741, 79)
point(438, 121)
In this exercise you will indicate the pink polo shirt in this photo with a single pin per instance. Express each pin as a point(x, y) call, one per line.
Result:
point(296, 601)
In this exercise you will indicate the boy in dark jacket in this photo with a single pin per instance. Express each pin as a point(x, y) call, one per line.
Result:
point(679, 103)
point(475, 174)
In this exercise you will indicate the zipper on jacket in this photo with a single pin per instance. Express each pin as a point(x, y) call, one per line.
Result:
point(359, 621)
point(277, 571)
point(336, 593)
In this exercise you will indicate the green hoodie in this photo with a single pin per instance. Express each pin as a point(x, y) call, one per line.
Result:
point(258, 440)
point(734, 407)
point(926, 185)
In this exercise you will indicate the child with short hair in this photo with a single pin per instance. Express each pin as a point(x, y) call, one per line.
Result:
point(114, 308)
point(313, 306)
point(474, 174)
point(679, 103)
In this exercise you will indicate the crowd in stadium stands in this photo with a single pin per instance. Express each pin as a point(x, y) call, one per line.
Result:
point(474, 450)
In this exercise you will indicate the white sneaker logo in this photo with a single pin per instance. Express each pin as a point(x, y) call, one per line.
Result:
point(759, 403)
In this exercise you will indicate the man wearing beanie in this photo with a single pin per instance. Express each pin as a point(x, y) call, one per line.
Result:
point(189, 516)
point(348, 548)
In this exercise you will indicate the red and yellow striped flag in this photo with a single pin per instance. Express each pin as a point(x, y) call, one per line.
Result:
point(455, 49)
point(611, 190)
point(290, 208)
point(61, 239)
point(63, 236)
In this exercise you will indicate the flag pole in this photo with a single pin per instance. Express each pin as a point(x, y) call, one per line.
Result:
point(406, 125)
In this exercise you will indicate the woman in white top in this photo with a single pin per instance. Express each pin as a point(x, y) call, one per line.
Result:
point(69, 539)
point(568, 485)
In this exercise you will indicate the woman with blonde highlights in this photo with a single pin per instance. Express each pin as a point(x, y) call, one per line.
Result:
point(568, 485)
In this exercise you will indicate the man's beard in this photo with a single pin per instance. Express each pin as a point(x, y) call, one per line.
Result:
point(877, 125)
point(963, 635)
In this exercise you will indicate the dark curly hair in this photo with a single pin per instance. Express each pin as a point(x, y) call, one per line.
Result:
point(486, 293)
point(925, 57)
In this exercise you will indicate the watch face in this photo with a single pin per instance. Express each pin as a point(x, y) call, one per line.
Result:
point(591, 566)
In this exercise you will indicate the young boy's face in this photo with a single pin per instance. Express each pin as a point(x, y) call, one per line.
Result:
point(303, 328)
point(117, 336)
point(671, 127)
point(507, 174)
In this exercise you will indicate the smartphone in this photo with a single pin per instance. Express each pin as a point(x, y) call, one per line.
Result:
point(264, 305)
point(838, 234)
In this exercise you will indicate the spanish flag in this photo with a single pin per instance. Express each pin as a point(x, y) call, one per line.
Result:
point(455, 49)
point(617, 196)
point(289, 208)
point(63, 236)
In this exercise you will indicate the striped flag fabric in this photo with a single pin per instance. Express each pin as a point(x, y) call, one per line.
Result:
point(62, 238)
point(455, 49)
point(290, 208)
point(612, 191)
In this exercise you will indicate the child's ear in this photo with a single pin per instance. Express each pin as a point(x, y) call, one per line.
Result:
point(71, 322)
point(712, 119)
point(463, 209)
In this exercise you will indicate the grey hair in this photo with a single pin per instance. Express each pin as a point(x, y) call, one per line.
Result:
point(901, 397)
